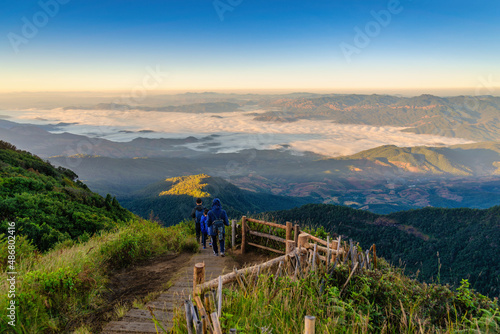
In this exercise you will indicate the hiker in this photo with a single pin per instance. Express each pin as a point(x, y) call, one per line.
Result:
point(204, 229)
point(197, 213)
point(217, 218)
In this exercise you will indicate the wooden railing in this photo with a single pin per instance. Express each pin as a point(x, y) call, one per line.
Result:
point(303, 252)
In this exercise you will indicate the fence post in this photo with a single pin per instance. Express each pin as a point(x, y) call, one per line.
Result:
point(189, 317)
point(199, 275)
point(215, 321)
point(310, 323)
point(243, 232)
point(296, 233)
point(290, 246)
point(288, 231)
point(314, 257)
point(302, 246)
point(219, 298)
point(233, 234)
point(303, 240)
point(327, 252)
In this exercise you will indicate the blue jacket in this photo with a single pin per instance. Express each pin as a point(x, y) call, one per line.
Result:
point(203, 225)
point(216, 213)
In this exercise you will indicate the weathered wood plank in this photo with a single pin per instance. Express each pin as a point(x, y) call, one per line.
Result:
point(268, 236)
point(266, 223)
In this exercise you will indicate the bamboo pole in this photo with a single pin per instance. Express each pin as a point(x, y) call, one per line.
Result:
point(203, 314)
point(338, 248)
point(288, 231)
point(327, 252)
point(314, 258)
point(199, 327)
point(233, 234)
point(266, 223)
point(215, 321)
point(266, 248)
point(243, 232)
point(189, 317)
point(206, 299)
point(310, 323)
point(213, 299)
point(325, 249)
point(318, 240)
point(231, 277)
point(199, 275)
point(349, 278)
point(219, 298)
point(204, 329)
point(296, 232)
point(268, 236)
point(194, 312)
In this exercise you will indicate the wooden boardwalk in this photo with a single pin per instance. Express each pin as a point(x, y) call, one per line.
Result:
point(139, 320)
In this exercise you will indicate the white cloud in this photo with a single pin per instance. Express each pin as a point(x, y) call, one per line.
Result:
point(238, 130)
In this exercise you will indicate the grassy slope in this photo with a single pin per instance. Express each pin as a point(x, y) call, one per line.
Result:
point(67, 240)
point(47, 204)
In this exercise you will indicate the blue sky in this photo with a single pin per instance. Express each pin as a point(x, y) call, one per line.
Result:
point(295, 45)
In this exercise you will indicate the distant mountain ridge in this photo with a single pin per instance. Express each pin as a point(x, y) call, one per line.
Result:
point(471, 117)
point(210, 107)
point(479, 159)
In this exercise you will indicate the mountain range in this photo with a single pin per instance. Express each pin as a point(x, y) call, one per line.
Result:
point(471, 117)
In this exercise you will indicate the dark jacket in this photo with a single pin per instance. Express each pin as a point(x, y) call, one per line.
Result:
point(217, 213)
point(199, 207)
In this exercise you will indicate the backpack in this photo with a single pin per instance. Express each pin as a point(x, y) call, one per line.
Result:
point(218, 225)
point(199, 214)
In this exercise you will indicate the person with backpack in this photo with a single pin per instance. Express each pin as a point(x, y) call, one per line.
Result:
point(217, 218)
point(205, 230)
point(197, 213)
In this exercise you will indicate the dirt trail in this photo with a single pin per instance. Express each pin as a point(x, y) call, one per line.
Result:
point(139, 320)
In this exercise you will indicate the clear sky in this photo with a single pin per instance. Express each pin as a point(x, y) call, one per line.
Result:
point(333, 45)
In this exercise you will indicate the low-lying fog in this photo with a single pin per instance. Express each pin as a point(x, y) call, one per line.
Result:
point(236, 130)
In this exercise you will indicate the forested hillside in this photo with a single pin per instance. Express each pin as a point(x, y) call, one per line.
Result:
point(49, 204)
point(173, 199)
point(438, 245)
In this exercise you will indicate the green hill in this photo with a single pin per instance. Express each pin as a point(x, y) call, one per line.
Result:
point(48, 204)
point(173, 199)
point(441, 245)
point(478, 159)
point(61, 242)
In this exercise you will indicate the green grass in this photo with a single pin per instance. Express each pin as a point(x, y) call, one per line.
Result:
point(59, 288)
point(376, 301)
point(379, 301)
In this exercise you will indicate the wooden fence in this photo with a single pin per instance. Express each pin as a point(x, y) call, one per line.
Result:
point(300, 253)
